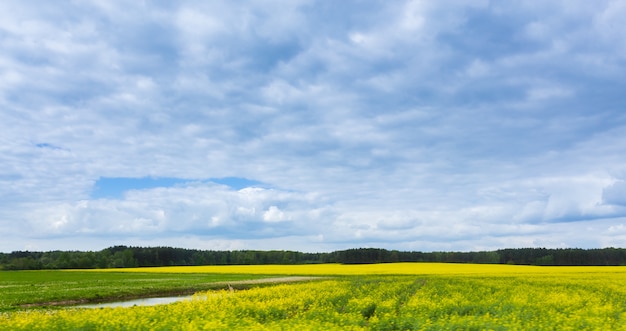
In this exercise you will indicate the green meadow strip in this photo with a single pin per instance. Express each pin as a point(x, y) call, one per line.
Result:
point(32, 289)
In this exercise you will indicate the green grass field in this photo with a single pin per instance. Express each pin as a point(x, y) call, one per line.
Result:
point(20, 289)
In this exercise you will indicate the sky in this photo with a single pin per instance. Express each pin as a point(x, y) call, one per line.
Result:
point(312, 125)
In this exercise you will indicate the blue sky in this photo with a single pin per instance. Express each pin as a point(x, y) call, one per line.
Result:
point(117, 187)
point(312, 125)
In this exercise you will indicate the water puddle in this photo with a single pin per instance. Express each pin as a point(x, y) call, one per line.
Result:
point(137, 302)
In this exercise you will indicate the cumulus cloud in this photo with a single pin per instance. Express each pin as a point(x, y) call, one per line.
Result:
point(208, 210)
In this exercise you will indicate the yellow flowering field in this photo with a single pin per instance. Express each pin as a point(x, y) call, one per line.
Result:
point(409, 268)
point(373, 297)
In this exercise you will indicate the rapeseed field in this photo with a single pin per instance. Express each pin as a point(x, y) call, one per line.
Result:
point(409, 296)
point(408, 268)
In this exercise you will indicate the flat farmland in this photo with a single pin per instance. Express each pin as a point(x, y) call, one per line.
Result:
point(43, 288)
point(398, 296)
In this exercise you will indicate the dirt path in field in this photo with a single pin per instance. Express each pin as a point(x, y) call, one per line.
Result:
point(272, 280)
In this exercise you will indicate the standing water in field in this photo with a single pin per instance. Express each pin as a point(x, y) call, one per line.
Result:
point(138, 302)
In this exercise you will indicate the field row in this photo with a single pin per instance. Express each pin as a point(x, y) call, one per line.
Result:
point(377, 269)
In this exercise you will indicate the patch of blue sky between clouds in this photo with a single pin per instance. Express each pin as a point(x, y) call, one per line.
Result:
point(115, 187)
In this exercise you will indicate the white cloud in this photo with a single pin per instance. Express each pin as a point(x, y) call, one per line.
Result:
point(274, 214)
point(206, 210)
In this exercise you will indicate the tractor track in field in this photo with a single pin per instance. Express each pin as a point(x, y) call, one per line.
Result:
point(272, 280)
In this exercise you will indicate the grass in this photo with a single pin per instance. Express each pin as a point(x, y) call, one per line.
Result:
point(19, 289)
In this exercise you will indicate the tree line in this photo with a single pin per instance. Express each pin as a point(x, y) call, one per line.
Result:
point(124, 256)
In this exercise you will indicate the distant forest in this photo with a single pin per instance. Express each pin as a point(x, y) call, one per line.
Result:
point(123, 257)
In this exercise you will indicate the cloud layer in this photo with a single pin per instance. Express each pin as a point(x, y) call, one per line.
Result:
point(406, 124)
